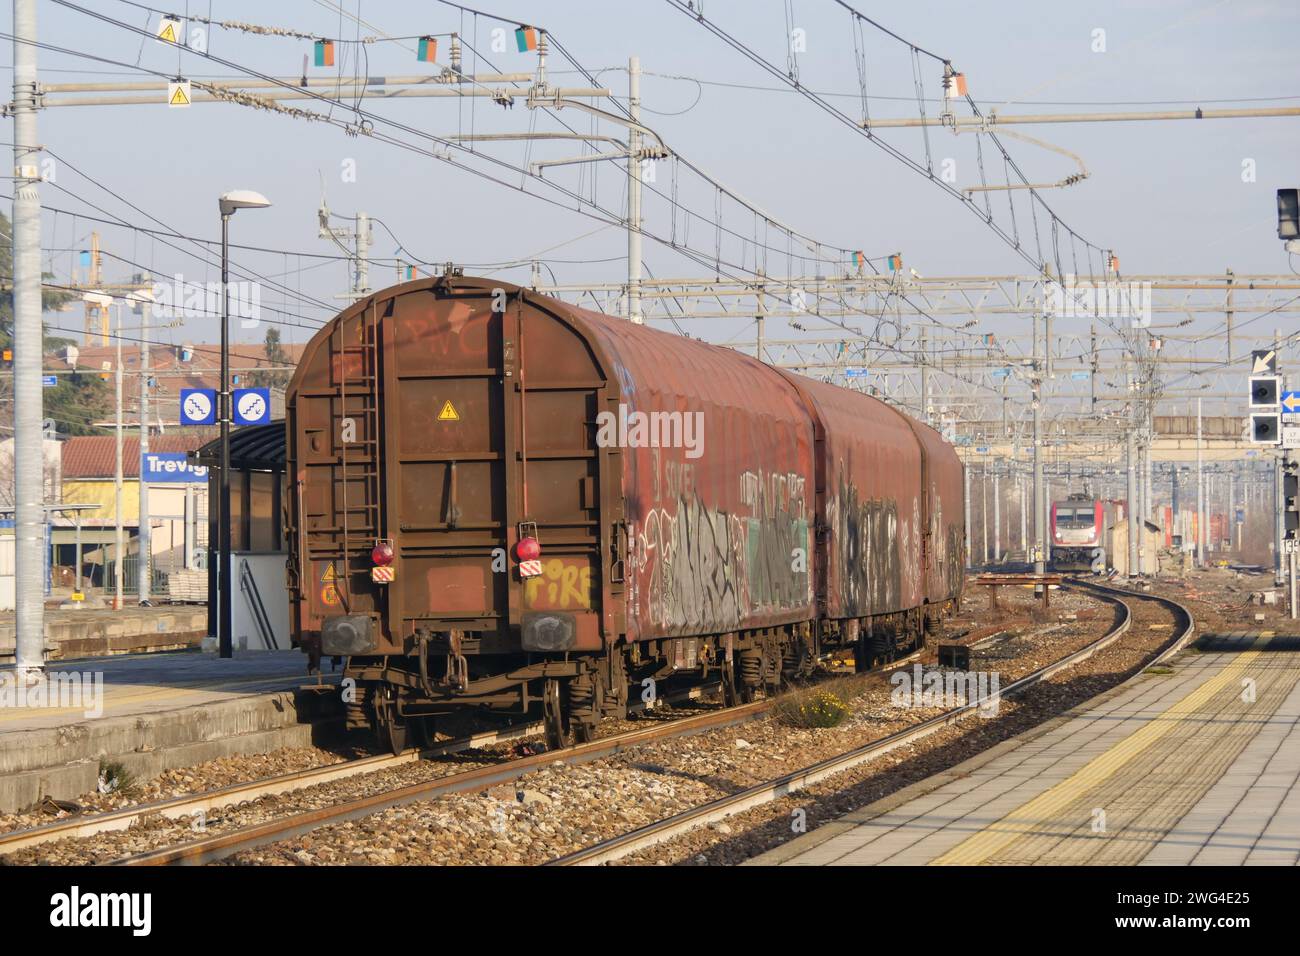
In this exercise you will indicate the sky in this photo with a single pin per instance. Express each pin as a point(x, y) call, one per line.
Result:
point(1171, 197)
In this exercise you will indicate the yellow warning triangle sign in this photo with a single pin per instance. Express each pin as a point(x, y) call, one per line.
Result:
point(167, 32)
point(329, 573)
point(448, 413)
point(179, 97)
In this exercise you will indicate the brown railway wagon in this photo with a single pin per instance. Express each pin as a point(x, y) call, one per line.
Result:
point(498, 501)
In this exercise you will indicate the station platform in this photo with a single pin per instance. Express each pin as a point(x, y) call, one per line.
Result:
point(101, 631)
point(1196, 762)
point(152, 712)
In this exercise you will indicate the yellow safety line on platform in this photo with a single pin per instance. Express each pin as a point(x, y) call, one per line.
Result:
point(1046, 806)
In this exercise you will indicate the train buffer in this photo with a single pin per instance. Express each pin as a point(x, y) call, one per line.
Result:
point(995, 581)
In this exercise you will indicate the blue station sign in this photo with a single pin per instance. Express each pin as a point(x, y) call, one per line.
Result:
point(173, 466)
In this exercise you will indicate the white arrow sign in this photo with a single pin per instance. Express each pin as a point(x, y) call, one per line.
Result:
point(1264, 362)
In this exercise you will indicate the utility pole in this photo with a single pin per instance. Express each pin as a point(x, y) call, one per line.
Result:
point(1232, 502)
point(965, 471)
point(1092, 377)
point(225, 639)
point(120, 535)
point(1173, 499)
point(1020, 496)
point(997, 519)
point(360, 237)
point(1229, 314)
point(925, 375)
point(29, 442)
point(1039, 507)
point(146, 531)
point(1148, 495)
point(984, 512)
point(634, 191)
point(1283, 464)
point(1279, 503)
point(1278, 520)
point(1200, 492)
point(362, 286)
point(1130, 506)
point(760, 316)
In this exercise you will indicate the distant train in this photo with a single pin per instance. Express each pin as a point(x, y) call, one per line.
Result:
point(1078, 533)
point(498, 502)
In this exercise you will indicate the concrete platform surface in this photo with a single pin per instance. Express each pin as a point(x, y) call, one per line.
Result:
point(94, 632)
point(151, 712)
point(1197, 763)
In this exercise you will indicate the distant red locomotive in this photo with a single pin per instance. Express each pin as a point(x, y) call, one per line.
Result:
point(1078, 533)
point(499, 502)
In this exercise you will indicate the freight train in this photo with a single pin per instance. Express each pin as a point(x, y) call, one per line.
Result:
point(500, 503)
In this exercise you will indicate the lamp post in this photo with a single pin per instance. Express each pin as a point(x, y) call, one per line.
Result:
point(228, 204)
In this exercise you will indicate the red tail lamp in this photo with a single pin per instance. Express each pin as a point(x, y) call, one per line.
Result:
point(382, 554)
point(528, 549)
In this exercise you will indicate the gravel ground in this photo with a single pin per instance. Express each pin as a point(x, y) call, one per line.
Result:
point(154, 831)
point(178, 782)
point(1221, 599)
point(562, 809)
point(748, 834)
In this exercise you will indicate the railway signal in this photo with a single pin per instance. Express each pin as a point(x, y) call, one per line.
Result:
point(1291, 499)
point(1265, 428)
point(1265, 391)
point(1265, 400)
point(1288, 214)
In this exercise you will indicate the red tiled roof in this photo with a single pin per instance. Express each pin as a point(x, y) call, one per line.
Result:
point(95, 456)
point(170, 373)
point(202, 371)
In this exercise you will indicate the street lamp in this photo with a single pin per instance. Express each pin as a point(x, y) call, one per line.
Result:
point(228, 204)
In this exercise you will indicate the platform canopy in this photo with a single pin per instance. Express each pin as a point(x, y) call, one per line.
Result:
point(252, 448)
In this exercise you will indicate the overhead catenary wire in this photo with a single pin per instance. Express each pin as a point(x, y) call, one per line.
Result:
point(605, 216)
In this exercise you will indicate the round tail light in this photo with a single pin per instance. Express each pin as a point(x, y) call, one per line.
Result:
point(382, 554)
point(528, 549)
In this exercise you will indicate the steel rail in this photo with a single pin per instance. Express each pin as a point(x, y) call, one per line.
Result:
point(222, 845)
point(191, 805)
point(219, 846)
point(616, 848)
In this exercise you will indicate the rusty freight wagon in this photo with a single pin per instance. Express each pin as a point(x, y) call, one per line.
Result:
point(498, 502)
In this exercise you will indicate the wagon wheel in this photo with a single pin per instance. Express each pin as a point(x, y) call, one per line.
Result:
point(557, 731)
point(391, 728)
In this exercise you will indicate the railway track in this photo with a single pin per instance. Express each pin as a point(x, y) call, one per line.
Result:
point(218, 846)
point(618, 847)
point(195, 805)
point(192, 805)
